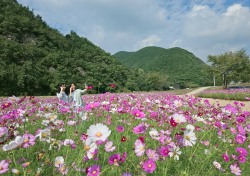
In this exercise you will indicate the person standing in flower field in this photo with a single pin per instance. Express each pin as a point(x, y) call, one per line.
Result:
point(75, 97)
point(62, 95)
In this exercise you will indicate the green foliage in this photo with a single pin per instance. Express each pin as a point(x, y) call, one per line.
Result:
point(180, 66)
point(231, 66)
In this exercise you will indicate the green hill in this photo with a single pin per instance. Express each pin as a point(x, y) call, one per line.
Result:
point(35, 58)
point(181, 66)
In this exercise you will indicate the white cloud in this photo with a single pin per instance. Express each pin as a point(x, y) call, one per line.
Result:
point(201, 26)
point(151, 40)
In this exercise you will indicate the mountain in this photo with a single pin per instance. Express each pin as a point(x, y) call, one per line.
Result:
point(179, 65)
point(35, 58)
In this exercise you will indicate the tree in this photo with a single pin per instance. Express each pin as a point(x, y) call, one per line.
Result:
point(231, 66)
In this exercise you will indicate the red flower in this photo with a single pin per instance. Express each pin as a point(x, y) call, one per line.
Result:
point(113, 86)
point(89, 87)
point(142, 139)
point(173, 123)
point(123, 139)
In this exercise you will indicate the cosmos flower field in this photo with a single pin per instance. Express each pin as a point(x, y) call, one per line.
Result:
point(123, 134)
point(227, 94)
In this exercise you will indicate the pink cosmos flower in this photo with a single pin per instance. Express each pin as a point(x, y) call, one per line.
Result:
point(124, 156)
point(109, 146)
point(3, 131)
point(26, 164)
point(28, 140)
point(139, 147)
point(126, 174)
point(4, 166)
point(152, 154)
point(241, 151)
point(149, 166)
point(235, 169)
point(94, 170)
point(62, 169)
point(139, 129)
point(241, 130)
point(114, 159)
point(230, 108)
point(240, 119)
point(69, 142)
point(138, 114)
point(92, 106)
point(233, 130)
point(240, 139)
point(120, 128)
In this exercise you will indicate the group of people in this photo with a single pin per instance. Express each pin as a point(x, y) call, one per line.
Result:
point(73, 97)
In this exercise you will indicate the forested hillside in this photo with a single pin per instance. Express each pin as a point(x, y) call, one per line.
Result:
point(34, 58)
point(178, 65)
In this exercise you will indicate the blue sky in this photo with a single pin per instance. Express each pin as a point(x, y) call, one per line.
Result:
point(203, 27)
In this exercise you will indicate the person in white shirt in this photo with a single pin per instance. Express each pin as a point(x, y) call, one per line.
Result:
point(75, 97)
point(62, 95)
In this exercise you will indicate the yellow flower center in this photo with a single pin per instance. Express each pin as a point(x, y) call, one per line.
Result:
point(149, 165)
point(86, 147)
point(98, 134)
point(115, 160)
point(1, 168)
point(137, 114)
point(141, 148)
point(187, 137)
point(63, 168)
point(94, 172)
point(26, 140)
point(44, 135)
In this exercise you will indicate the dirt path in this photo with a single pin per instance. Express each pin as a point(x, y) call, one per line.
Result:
point(221, 102)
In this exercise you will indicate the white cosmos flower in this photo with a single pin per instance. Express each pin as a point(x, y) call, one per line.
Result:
point(177, 103)
point(189, 138)
point(51, 117)
point(59, 161)
point(109, 146)
point(154, 134)
point(98, 132)
point(44, 135)
point(89, 147)
point(13, 144)
point(179, 118)
point(175, 152)
point(190, 127)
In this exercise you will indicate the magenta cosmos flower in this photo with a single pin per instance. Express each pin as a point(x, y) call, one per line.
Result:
point(242, 158)
point(120, 128)
point(94, 170)
point(225, 157)
point(149, 166)
point(115, 159)
point(163, 151)
point(4, 166)
point(139, 129)
point(241, 151)
point(240, 139)
point(138, 114)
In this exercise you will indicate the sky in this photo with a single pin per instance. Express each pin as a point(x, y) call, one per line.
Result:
point(203, 27)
